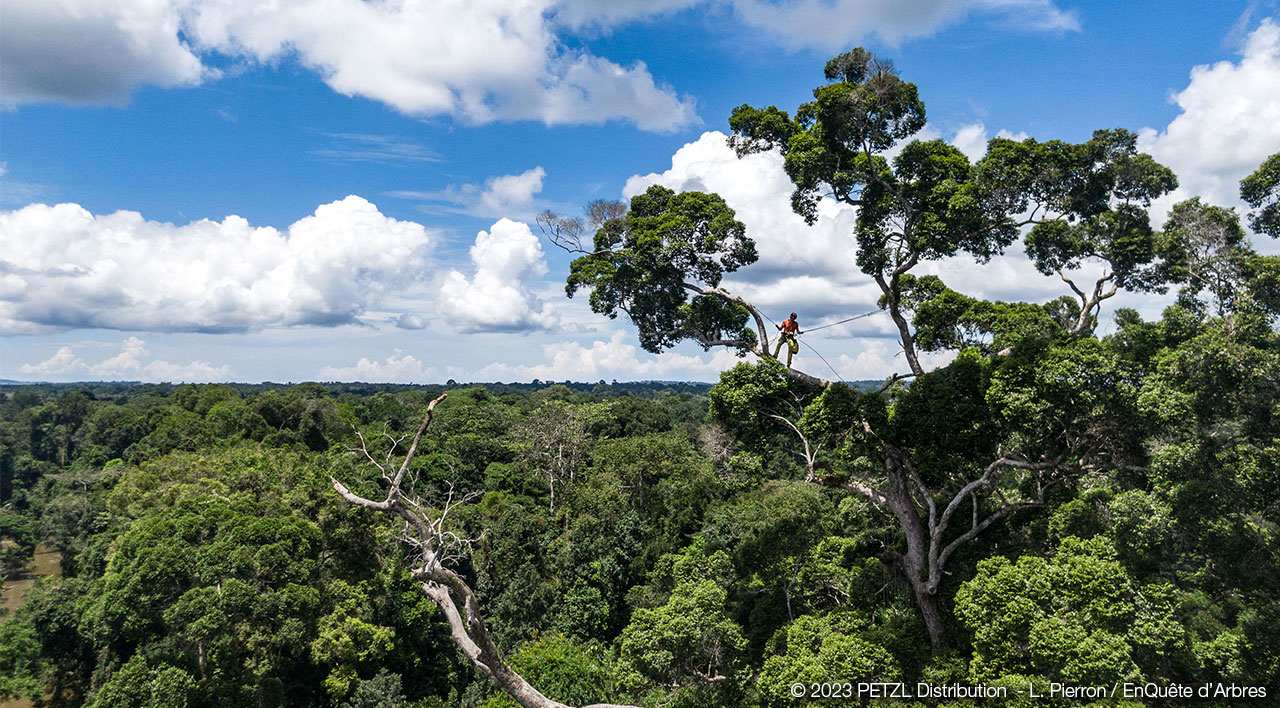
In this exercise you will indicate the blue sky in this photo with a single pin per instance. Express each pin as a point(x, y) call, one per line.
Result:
point(200, 190)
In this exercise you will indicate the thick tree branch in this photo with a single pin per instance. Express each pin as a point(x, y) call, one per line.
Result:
point(1090, 304)
point(939, 554)
point(761, 332)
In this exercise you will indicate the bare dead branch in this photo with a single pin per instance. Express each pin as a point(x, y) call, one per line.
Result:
point(437, 546)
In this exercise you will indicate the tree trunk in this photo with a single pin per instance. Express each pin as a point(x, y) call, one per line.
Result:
point(929, 610)
point(892, 300)
point(914, 563)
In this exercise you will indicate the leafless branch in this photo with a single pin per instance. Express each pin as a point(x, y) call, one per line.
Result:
point(438, 545)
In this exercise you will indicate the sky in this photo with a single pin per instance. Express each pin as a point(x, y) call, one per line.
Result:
point(342, 190)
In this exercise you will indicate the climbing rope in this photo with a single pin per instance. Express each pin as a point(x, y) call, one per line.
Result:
point(833, 324)
point(839, 377)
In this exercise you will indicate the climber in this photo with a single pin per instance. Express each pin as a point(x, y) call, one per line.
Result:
point(789, 328)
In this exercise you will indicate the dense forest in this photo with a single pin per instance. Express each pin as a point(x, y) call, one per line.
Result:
point(1080, 500)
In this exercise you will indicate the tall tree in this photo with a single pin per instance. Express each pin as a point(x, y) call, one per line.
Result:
point(929, 202)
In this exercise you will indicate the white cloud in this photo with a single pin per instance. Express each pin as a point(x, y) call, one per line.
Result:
point(63, 361)
point(608, 360)
point(130, 364)
point(410, 321)
point(91, 51)
point(61, 266)
point(509, 192)
point(972, 141)
point(838, 24)
point(477, 60)
point(496, 298)
point(616, 358)
point(877, 359)
point(1228, 124)
point(397, 368)
point(511, 196)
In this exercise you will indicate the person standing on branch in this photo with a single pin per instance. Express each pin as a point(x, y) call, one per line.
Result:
point(789, 328)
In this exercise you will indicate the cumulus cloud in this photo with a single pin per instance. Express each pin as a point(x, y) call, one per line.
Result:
point(496, 298)
point(397, 368)
point(63, 267)
point(131, 363)
point(1228, 124)
point(92, 51)
point(63, 361)
point(972, 139)
point(875, 359)
point(501, 196)
point(477, 60)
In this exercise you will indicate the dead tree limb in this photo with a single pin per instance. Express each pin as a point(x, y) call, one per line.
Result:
point(448, 590)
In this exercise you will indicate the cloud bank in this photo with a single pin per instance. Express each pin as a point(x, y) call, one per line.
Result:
point(130, 364)
point(63, 267)
point(475, 60)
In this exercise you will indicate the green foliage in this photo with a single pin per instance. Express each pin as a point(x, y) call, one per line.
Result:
point(1205, 248)
point(945, 417)
point(689, 641)
point(833, 146)
point(1094, 194)
point(22, 673)
point(575, 674)
point(139, 684)
point(814, 650)
point(946, 319)
point(1076, 617)
point(749, 396)
point(1261, 190)
point(18, 536)
point(381, 691)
